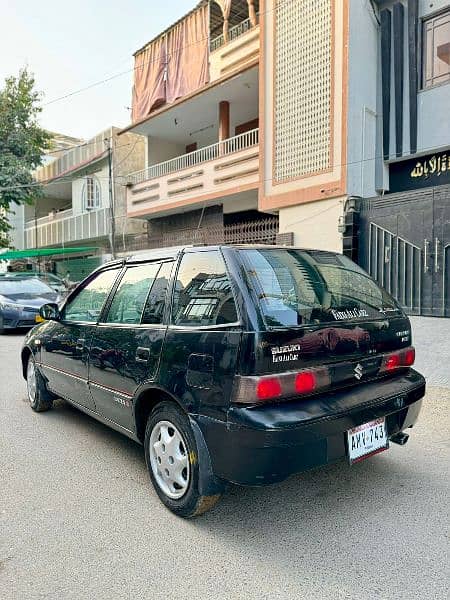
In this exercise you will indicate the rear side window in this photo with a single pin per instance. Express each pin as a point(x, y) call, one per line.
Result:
point(297, 287)
point(154, 308)
point(203, 293)
point(131, 295)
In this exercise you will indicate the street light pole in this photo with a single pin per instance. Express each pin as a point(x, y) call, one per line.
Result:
point(111, 199)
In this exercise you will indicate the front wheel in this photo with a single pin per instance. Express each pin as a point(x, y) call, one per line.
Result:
point(172, 460)
point(38, 395)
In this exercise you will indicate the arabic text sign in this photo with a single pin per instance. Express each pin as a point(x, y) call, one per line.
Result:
point(420, 172)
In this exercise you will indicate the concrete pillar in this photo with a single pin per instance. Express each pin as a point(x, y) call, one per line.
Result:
point(252, 12)
point(224, 120)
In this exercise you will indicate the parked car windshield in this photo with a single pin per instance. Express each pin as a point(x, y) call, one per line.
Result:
point(298, 287)
point(28, 286)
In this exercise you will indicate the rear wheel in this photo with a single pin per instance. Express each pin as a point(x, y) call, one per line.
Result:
point(38, 395)
point(172, 460)
point(2, 329)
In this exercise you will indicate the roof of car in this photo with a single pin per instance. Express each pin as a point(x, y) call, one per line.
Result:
point(157, 253)
point(173, 251)
point(15, 278)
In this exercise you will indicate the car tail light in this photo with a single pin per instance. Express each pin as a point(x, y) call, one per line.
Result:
point(398, 360)
point(268, 388)
point(252, 390)
point(410, 357)
point(305, 382)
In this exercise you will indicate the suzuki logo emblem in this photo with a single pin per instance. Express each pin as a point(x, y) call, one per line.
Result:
point(358, 371)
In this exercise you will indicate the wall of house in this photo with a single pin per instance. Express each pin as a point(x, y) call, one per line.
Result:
point(102, 175)
point(365, 169)
point(160, 150)
point(367, 173)
point(17, 221)
point(433, 104)
point(433, 122)
point(303, 103)
point(129, 156)
point(314, 224)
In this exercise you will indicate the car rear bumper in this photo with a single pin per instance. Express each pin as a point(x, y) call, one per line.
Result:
point(266, 444)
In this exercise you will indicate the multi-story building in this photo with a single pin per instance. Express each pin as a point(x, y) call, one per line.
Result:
point(16, 217)
point(398, 224)
point(83, 202)
point(243, 104)
point(263, 119)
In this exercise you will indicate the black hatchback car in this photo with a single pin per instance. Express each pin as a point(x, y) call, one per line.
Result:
point(239, 364)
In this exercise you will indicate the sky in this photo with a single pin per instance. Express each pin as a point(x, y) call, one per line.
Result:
point(70, 45)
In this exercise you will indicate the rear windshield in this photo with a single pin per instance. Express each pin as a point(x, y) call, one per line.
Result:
point(28, 285)
point(300, 287)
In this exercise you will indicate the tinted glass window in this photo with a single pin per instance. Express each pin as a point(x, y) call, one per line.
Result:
point(295, 287)
point(88, 303)
point(154, 307)
point(203, 293)
point(131, 295)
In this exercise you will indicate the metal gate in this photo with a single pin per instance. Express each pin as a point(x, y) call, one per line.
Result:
point(405, 246)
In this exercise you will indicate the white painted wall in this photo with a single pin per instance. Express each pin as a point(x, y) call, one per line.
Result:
point(314, 224)
point(160, 150)
point(77, 190)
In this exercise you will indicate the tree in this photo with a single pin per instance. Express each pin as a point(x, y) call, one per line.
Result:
point(22, 145)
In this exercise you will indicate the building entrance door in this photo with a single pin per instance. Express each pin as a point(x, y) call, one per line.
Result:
point(405, 246)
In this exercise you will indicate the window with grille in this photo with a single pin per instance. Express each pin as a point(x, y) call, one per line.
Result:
point(436, 50)
point(91, 193)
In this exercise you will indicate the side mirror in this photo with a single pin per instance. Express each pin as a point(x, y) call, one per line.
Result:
point(50, 312)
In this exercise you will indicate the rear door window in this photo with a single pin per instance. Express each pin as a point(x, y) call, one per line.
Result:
point(297, 287)
point(154, 307)
point(203, 294)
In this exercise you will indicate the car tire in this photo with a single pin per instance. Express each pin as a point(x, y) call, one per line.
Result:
point(172, 460)
point(39, 397)
point(2, 329)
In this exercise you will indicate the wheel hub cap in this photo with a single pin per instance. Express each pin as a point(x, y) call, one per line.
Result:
point(31, 381)
point(169, 459)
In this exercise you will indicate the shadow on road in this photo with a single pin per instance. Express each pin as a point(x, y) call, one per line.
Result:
point(316, 495)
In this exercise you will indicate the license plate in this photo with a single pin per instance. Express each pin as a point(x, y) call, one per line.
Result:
point(366, 440)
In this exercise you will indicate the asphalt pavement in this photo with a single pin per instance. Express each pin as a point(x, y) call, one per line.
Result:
point(79, 519)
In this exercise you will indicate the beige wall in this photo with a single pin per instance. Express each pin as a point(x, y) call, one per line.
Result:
point(314, 224)
point(129, 156)
point(303, 162)
point(234, 55)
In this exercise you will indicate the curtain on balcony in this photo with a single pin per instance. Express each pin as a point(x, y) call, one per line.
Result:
point(187, 55)
point(149, 90)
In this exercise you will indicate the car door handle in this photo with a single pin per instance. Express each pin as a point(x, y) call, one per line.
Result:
point(80, 344)
point(142, 354)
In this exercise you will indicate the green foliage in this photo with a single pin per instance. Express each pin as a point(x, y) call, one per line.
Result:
point(22, 144)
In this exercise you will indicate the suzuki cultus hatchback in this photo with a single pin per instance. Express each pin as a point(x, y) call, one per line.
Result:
point(239, 364)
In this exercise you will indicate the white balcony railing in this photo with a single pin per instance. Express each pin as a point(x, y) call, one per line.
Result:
point(185, 161)
point(233, 33)
point(70, 228)
point(55, 216)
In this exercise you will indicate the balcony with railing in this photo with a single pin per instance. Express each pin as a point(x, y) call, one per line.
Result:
point(233, 33)
point(241, 47)
point(223, 168)
point(64, 227)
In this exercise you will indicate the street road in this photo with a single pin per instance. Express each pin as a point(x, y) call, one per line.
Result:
point(79, 519)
